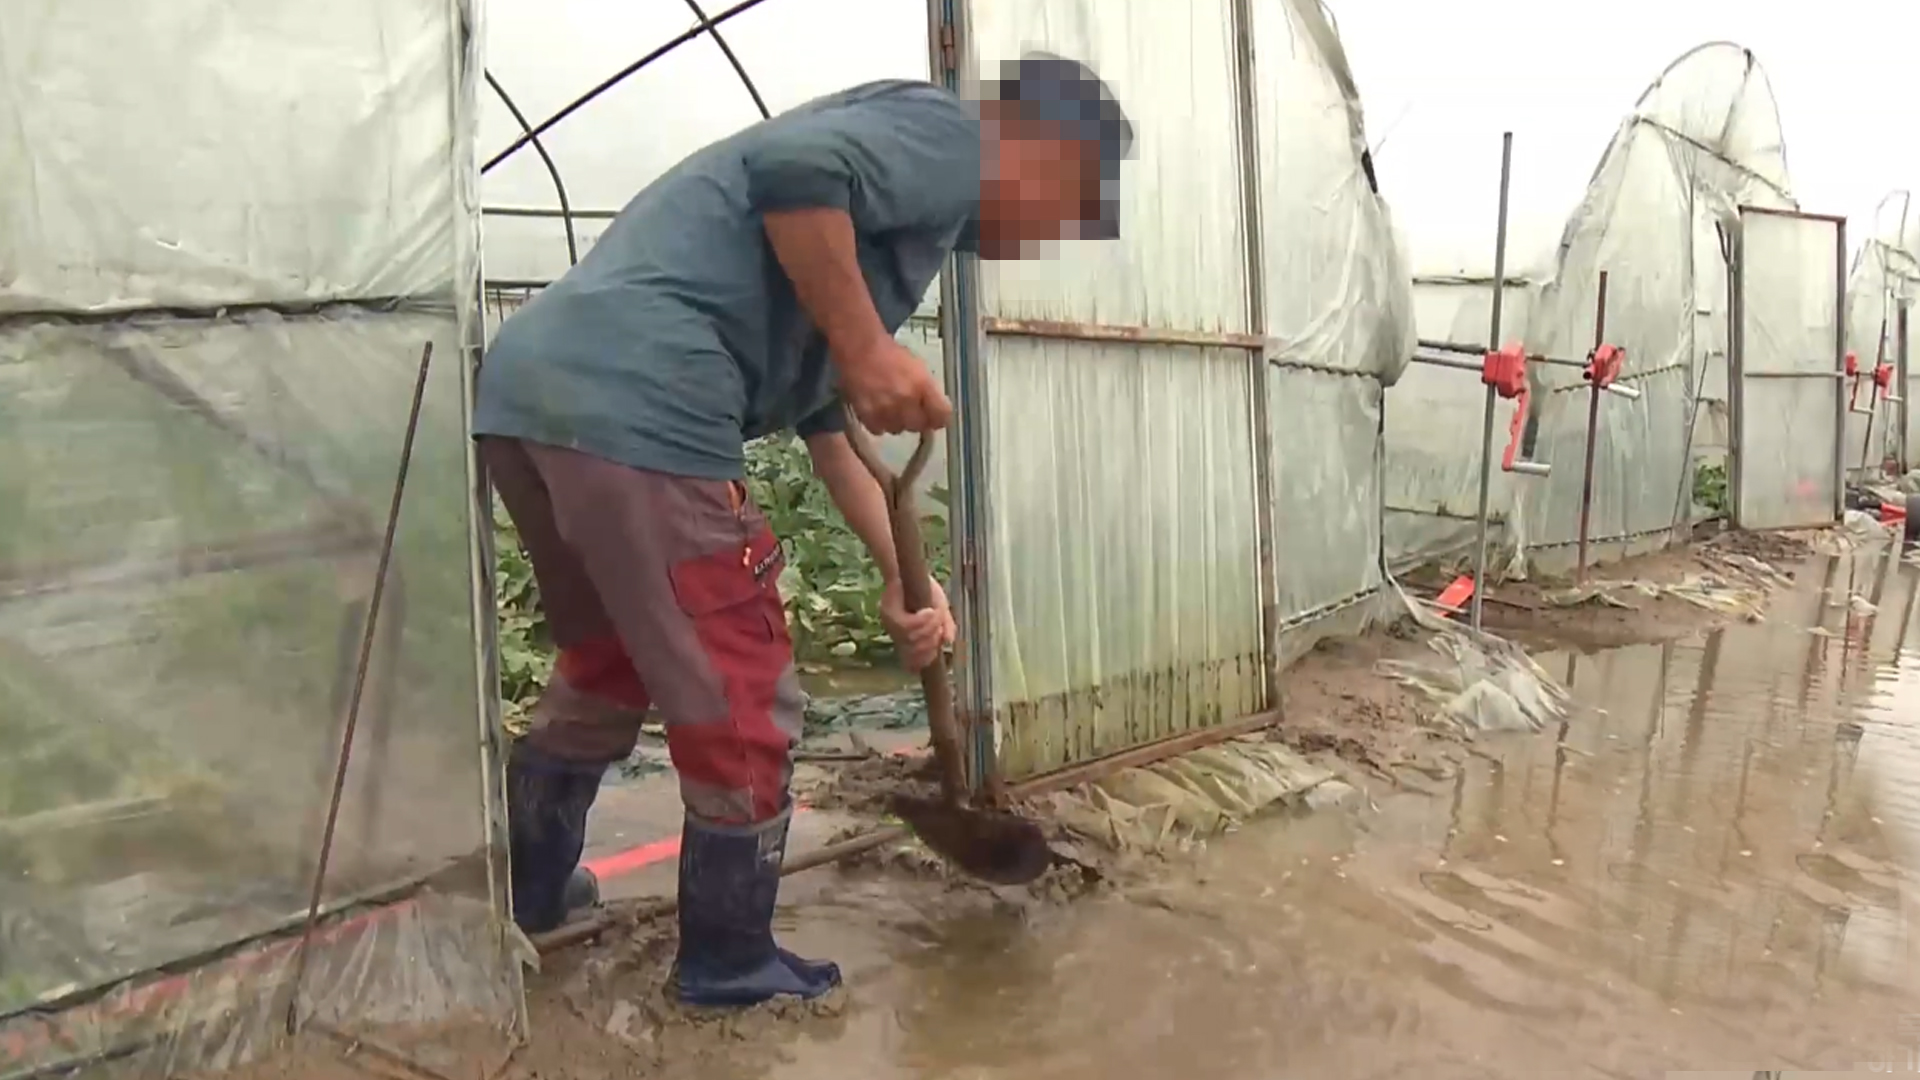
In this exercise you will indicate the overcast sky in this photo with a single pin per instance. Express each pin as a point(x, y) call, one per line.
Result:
point(1440, 79)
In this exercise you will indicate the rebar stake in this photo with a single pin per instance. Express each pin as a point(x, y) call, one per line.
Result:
point(1594, 389)
point(367, 639)
point(1493, 342)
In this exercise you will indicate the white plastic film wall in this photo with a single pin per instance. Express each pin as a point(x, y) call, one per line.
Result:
point(228, 234)
point(1339, 312)
point(1123, 540)
point(1121, 544)
point(1789, 396)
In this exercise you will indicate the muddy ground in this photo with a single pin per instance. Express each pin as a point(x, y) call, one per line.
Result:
point(607, 1004)
point(1335, 702)
point(602, 1011)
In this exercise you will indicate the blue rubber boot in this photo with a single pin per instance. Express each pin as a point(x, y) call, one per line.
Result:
point(729, 879)
point(547, 803)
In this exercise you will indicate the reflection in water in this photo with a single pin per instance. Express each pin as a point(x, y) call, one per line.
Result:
point(1708, 865)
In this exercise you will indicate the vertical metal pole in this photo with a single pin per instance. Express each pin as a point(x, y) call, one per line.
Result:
point(1246, 102)
point(1840, 365)
point(1873, 388)
point(492, 741)
point(1593, 432)
point(1904, 439)
point(1493, 342)
point(368, 637)
point(1737, 373)
point(962, 352)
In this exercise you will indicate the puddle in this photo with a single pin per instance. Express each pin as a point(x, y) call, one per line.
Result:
point(1710, 865)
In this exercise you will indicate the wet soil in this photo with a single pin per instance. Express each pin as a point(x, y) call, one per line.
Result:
point(1710, 863)
point(1336, 705)
point(1733, 565)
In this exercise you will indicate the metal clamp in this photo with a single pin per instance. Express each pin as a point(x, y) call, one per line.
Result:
point(1853, 387)
point(1505, 370)
point(1883, 382)
point(1604, 365)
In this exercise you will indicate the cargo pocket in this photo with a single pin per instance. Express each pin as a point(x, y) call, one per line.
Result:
point(733, 601)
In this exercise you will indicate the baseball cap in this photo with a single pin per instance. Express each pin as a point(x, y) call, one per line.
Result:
point(1053, 89)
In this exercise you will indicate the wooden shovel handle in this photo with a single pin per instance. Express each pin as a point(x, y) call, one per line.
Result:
point(916, 593)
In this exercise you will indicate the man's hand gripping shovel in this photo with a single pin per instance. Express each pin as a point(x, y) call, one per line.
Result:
point(992, 845)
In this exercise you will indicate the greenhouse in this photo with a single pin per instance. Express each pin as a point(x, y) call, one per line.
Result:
point(1691, 218)
point(248, 654)
point(1881, 291)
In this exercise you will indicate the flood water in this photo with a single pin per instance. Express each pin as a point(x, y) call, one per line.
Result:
point(1710, 865)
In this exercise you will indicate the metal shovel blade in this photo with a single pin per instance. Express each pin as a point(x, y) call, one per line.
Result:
point(995, 846)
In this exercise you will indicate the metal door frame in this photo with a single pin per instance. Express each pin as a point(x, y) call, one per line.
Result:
point(1736, 388)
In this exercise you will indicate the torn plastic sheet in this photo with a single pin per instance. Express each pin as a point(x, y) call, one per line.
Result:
point(1482, 683)
point(1171, 805)
point(404, 970)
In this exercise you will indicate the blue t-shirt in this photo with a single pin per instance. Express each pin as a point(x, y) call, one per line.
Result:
point(678, 337)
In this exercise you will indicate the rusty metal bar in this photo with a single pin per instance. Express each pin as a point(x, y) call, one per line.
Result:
point(1593, 434)
point(1768, 211)
point(1449, 362)
point(1468, 349)
point(1119, 335)
point(1267, 578)
point(1141, 756)
point(367, 639)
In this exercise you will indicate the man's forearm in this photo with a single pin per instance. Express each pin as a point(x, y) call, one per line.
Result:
point(816, 248)
point(857, 495)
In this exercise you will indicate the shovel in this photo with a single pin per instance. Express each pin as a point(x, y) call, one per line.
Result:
point(995, 846)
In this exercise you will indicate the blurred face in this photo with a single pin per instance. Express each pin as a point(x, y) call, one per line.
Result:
point(1033, 185)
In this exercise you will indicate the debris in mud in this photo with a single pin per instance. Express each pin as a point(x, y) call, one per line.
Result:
point(1484, 684)
point(1335, 703)
point(1170, 806)
point(1774, 548)
point(863, 786)
point(1079, 870)
point(619, 995)
point(1654, 597)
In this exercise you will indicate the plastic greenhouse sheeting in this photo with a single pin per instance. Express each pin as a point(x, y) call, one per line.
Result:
point(1884, 281)
point(205, 373)
point(1658, 217)
point(1107, 495)
point(1123, 554)
point(1789, 399)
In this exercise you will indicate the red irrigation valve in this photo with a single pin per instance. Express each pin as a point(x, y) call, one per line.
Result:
point(1853, 365)
point(1604, 364)
point(1883, 377)
point(1510, 458)
point(1506, 371)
